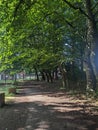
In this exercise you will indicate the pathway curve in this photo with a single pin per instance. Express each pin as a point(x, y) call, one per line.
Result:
point(38, 109)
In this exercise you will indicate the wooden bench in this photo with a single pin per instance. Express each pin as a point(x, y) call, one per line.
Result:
point(2, 99)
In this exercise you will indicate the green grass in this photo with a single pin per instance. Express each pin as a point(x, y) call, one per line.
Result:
point(7, 81)
point(4, 89)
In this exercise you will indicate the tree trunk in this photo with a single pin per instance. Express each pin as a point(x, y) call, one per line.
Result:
point(73, 71)
point(91, 49)
point(90, 76)
point(5, 79)
point(2, 99)
point(64, 77)
point(50, 77)
point(43, 75)
point(15, 77)
point(56, 74)
point(36, 73)
point(47, 76)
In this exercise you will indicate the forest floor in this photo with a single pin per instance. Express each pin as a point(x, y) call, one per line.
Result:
point(38, 106)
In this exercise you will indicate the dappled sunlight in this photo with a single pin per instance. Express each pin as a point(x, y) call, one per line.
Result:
point(49, 64)
point(31, 109)
point(36, 109)
point(43, 125)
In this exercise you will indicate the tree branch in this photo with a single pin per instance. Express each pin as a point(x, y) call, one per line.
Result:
point(17, 7)
point(23, 2)
point(96, 13)
point(76, 8)
point(69, 23)
point(94, 6)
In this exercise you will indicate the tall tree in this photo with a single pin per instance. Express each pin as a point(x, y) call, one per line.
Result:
point(91, 52)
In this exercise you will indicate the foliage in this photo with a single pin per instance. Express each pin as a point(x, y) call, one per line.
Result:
point(5, 89)
point(42, 34)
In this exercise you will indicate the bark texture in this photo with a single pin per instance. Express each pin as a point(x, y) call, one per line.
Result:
point(91, 53)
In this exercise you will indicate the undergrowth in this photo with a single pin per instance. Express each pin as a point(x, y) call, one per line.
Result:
point(5, 88)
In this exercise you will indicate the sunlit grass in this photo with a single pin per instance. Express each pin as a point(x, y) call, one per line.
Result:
point(5, 88)
point(6, 81)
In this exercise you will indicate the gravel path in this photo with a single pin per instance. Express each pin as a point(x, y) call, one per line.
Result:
point(37, 109)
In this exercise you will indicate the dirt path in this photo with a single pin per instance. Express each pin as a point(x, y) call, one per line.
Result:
point(35, 108)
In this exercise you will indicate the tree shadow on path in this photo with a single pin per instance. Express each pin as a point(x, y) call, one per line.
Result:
point(34, 111)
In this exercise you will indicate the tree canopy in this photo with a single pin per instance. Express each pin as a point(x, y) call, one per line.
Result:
point(46, 34)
